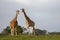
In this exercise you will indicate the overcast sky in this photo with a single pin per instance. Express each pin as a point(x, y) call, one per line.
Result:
point(45, 13)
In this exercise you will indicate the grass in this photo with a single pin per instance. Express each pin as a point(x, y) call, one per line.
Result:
point(30, 37)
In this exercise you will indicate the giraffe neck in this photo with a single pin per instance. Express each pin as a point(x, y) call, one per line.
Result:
point(16, 16)
point(26, 17)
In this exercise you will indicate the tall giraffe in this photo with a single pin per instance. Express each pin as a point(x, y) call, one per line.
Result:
point(13, 24)
point(29, 22)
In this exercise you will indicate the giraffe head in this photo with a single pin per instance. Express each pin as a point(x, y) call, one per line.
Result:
point(23, 10)
point(17, 11)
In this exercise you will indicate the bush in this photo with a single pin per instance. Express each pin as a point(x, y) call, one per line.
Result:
point(7, 30)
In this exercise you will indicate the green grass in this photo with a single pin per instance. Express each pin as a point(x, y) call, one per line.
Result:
point(30, 37)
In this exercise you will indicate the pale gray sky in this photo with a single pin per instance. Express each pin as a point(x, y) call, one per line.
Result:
point(45, 13)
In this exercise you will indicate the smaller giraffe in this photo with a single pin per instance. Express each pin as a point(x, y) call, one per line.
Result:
point(29, 22)
point(13, 24)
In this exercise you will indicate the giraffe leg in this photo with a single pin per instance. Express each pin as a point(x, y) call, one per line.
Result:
point(33, 32)
point(12, 31)
point(16, 31)
point(27, 30)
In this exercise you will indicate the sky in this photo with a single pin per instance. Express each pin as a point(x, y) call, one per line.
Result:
point(45, 13)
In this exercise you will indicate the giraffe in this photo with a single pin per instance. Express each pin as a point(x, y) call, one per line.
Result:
point(13, 24)
point(29, 22)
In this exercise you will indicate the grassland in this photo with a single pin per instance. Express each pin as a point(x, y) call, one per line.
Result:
point(30, 37)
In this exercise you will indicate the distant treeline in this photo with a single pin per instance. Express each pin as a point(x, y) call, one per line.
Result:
point(54, 33)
